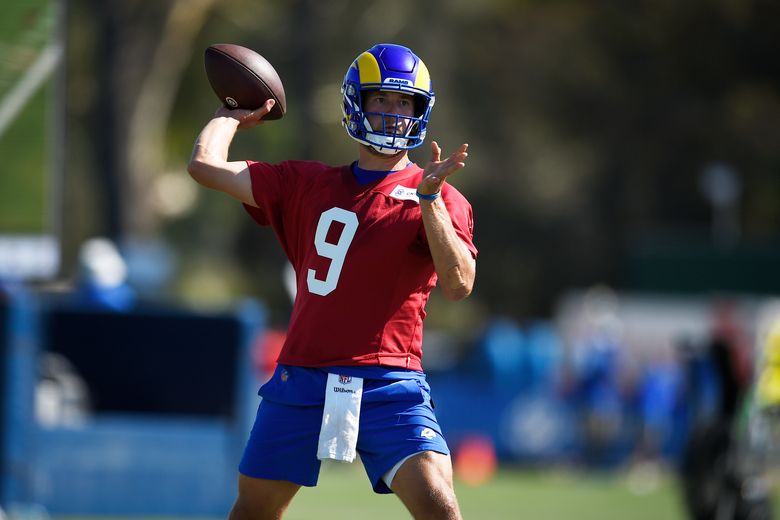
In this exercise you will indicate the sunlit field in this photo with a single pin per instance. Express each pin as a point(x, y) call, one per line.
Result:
point(344, 492)
point(510, 495)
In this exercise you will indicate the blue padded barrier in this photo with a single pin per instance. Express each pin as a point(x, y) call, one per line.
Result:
point(172, 396)
point(19, 339)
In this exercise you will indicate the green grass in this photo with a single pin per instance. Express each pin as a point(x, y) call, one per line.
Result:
point(344, 492)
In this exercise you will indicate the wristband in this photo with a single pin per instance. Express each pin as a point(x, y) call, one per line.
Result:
point(429, 197)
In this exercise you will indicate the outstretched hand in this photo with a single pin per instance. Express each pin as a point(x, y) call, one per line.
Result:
point(436, 171)
point(246, 118)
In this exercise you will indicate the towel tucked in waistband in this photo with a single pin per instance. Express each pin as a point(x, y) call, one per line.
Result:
point(340, 418)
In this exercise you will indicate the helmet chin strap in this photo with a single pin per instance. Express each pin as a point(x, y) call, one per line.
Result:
point(382, 152)
point(377, 141)
point(385, 151)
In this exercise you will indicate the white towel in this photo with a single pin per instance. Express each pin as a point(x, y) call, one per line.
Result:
point(340, 418)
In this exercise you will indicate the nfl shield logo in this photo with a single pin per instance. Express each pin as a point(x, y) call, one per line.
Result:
point(344, 380)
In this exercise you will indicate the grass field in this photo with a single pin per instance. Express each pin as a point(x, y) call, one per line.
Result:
point(344, 492)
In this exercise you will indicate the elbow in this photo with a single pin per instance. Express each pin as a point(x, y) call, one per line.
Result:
point(456, 293)
point(196, 169)
point(456, 286)
point(202, 172)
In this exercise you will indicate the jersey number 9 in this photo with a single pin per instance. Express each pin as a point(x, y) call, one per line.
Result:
point(335, 252)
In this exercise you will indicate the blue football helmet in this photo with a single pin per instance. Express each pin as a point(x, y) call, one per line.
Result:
point(392, 68)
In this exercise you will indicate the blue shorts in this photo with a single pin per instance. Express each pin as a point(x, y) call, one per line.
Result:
point(396, 420)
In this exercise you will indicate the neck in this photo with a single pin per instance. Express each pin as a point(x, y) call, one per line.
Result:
point(372, 160)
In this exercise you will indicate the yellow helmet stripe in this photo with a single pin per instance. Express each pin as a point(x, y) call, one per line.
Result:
point(368, 68)
point(423, 79)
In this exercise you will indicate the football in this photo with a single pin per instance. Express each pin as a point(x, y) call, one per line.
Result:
point(242, 78)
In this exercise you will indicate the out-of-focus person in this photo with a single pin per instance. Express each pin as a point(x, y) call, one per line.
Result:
point(102, 277)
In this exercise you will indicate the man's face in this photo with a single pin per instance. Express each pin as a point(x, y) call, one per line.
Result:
point(389, 103)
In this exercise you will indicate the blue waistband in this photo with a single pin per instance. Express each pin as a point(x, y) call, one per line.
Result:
point(304, 386)
point(375, 372)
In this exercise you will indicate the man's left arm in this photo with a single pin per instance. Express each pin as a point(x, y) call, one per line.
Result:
point(455, 266)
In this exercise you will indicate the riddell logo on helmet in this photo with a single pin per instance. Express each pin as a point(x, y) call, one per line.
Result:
point(398, 81)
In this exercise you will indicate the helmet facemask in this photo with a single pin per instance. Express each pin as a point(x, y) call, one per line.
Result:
point(386, 139)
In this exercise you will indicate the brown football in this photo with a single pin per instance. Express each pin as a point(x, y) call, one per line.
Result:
point(242, 78)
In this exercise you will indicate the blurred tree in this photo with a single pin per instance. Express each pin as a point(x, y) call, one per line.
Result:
point(155, 100)
point(140, 53)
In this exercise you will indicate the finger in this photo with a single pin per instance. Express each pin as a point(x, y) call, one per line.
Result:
point(455, 163)
point(445, 171)
point(457, 157)
point(452, 168)
point(435, 152)
point(251, 119)
point(263, 110)
point(462, 152)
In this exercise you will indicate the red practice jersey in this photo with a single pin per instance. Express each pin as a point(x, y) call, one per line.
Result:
point(363, 267)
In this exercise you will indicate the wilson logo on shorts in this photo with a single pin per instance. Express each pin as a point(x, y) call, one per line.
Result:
point(427, 433)
point(345, 380)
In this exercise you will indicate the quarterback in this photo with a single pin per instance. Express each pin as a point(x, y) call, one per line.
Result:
point(368, 242)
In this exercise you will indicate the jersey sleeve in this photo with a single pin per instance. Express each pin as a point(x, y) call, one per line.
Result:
point(268, 185)
point(462, 218)
point(463, 221)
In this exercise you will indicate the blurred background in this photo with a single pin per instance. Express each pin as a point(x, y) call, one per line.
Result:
point(624, 172)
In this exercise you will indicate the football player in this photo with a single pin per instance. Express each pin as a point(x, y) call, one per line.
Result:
point(368, 242)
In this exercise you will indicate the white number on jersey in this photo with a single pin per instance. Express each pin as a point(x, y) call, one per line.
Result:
point(336, 252)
